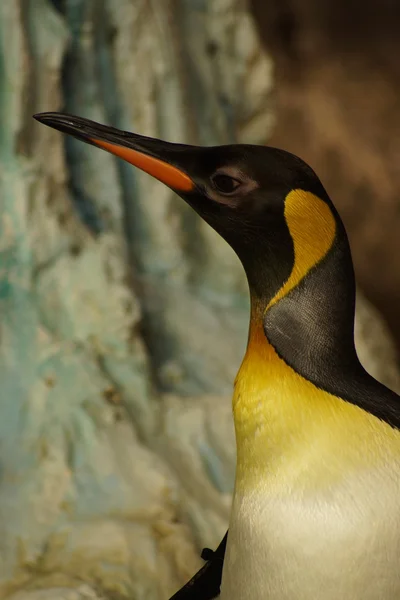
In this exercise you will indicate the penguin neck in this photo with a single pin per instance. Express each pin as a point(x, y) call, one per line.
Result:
point(298, 348)
point(301, 385)
point(311, 327)
point(308, 317)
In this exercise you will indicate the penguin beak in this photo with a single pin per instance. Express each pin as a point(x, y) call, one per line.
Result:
point(157, 158)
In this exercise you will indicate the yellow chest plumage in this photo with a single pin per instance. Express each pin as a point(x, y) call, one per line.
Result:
point(316, 510)
point(291, 433)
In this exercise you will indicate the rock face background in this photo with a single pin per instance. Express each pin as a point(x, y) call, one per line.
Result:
point(123, 318)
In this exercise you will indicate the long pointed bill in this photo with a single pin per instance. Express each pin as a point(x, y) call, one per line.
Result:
point(155, 157)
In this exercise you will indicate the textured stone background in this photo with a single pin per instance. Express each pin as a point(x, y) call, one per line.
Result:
point(123, 318)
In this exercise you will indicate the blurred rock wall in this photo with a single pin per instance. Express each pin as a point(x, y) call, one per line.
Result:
point(123, 318)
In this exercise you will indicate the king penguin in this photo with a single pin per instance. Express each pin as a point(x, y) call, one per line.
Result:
point(316, 504)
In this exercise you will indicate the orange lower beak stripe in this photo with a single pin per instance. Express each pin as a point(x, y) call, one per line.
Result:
point(168, 174)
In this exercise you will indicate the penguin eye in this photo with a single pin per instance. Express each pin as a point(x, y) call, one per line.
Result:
point(224, 184)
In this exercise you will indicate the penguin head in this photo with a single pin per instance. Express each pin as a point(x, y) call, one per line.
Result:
point(266, 203)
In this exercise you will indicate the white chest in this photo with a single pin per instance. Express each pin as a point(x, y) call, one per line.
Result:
point(341, 545)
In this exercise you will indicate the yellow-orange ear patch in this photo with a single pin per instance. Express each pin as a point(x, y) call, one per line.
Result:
point(312, 227)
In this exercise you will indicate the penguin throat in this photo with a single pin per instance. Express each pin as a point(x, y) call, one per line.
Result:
point(268, 398)
point(292, 434)
point(310, 316)
point(279, 413)
point(301, 341)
